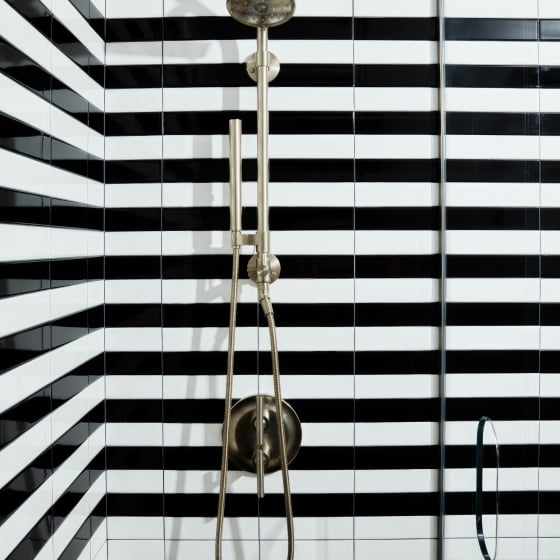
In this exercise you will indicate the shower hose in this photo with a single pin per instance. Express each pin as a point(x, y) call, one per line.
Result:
point(266, 305)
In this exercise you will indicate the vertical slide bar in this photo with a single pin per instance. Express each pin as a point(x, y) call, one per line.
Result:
point(235, 179)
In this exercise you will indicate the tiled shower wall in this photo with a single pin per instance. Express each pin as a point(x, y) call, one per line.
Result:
point(52, 480)
point(355, 217)
point(355, 220)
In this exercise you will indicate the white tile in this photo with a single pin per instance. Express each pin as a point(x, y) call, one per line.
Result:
point(397, 433)
point(131, 528)
point(395, 8)
point(550, 384)
point(396, 99)
point(197, 528)
point(238, 51)
point(509, 480)
point(396, 386)
point(310, 550)
point(493, 52)
point(133, 147)
point(461, 526)
point(509, 432)
point(187, 550)
point(102, 553)
point(503, 337)
point(396, 481)
point(508, 549)
point(134, 434)
point(494, 242)
point(327, 434)
point(395, 527)
point(398, 146)
point(549, 526)
point(143, 100)
point(494, 9)
point(132, 53)
point(303, 386)
point(549, 338)
point(143, 549)
point(397, 194)
point(548, 9)
point(550, 195)
point(133, 195)
point(395, 52)
point(133, 9)
point(327, 8)
point(207, 386)
point(133, 386)
point(196, 435)
point(127, 481)
point(465, 290)
point(503, 147)
point(391, 242)
point(133, 291)
point(133, 243)
point(419, 549)
point(493, 194)
point(219, 242)
point(396, 338)
point(550, 290)
point(465, 385)
point(498, 100)
point(397, 290)
point(24, 311)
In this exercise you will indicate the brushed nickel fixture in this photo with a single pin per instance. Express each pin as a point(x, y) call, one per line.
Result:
point(260, 433)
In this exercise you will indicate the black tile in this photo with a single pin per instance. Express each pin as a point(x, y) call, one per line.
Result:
point(493, 266)
point(24, 208)
point(23, 277)
point(494, 171)
point(398, 266)
point(397, 123)
point(492, 361)
point(401, 75)
point(549, 29)
point(395, 218)
point(490, 29)
point(477, 218)
point(492, 313)
point(496, 123)
point(399, 28)
point(462, 75)
point(396, 170)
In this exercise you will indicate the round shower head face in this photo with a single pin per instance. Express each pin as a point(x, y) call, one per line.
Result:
point(261, 13)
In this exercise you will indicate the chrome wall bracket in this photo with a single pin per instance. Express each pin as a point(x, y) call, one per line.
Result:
point(273, 67)
point(244, 435)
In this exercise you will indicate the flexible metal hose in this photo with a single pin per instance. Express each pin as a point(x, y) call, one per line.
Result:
point(228, 396)
point(269, 313)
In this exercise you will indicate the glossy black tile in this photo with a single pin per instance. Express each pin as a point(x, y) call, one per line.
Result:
point(503, 408)
point(284, 122)
point(120, 410)
point(550, 171)
point(393, 218)
point(23, 139)
point(511, 456)
point(133, 315)
point(18, 207)
point(135, 504)
point(550, 361)
point(393, 29)
point(133, 363)
point(493, 171)
point(462, 75)
point(492, 313)
point(133, 76)
point(23, 277)
point(495, 123)
point(477, 218)
point(512, 503)
point(132, 457)
point(130, 29)
point(549, 30)
point(549, 77)
point(24, 346)
point(212, 363)
point(69, 328)
point(550, 314)
point(78, 542)
point(24, 415)
point(549, 408)
point(135, 124)
point(398, 266)
point(133, 219)
point(397, 170)
point(132, 267)
point(492, 361)
point(133, 171)
point(397, 122)
point(401, 75)
point(493, 266)
point(71, 214)
point(67, 444)
point(490, 29)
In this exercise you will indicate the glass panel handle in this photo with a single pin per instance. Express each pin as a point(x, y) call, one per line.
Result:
point(479, 489)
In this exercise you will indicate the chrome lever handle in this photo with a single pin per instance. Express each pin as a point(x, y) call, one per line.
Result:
point(479, 486)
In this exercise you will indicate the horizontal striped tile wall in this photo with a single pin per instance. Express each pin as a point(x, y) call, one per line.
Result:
point(52, 436)
point(501, 282)
point(354, 195)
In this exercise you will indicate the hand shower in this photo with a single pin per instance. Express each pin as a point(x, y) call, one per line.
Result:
point(261, 433)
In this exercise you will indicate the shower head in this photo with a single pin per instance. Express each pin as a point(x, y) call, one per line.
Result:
point(261, 13)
